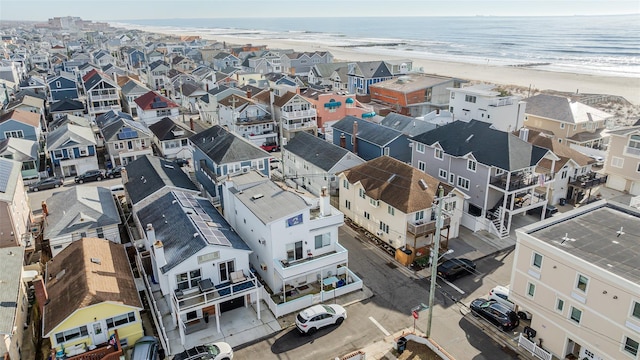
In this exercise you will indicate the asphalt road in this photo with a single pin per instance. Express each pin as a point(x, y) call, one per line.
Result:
point(396, 291)
point(37, 197)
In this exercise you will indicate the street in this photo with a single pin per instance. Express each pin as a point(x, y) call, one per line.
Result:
point(396, 291)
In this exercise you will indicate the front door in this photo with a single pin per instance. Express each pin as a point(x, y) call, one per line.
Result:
point(98, 333)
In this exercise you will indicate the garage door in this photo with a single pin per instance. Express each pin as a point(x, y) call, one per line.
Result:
point(232, 304)
point(616, 182)
point(635, 188)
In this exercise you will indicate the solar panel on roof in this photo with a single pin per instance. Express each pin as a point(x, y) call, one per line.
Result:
point(5, 171)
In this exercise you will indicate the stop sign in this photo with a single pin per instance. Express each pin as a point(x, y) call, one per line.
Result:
point(415, 314)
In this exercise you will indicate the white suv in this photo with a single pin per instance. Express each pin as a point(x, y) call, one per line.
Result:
point(501, 295)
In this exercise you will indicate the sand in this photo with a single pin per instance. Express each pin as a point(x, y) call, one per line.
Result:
point(627, 87)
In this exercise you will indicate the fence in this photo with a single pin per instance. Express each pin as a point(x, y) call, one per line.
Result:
point(534, 349)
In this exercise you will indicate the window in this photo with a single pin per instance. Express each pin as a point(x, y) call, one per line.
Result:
point(374, 202)
point(226, 268)
point(100, 233)
point(576, 315)
point(472, 165)
point(531, 289)
point(71, 334)
point(450, 205)
point(583, 281)
point(561, 125)
point(617, 162)
point(452, 178)
point(345, 184)
point(347, 204)
point(419, 215)
point(635, 310)
point(422, 166)
point(559, 305)
point(294, 251)
point(537, 260)
point(463, 183)
point(563, 175)
point(121, 320)
point(361, 193)
point(631, 346)
point(438, 154)
point(14, 134)
point(470, 98)
point(453, 95)
point(420, 148)
point(188, 280)
point(390, 210)
point(323, 240)
point(384, 227)
point(367, 215)
point(442, 173)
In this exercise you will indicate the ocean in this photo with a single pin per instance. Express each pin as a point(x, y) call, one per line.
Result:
point(603, 45)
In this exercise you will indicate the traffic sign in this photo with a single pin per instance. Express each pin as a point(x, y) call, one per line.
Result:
point(415, 314)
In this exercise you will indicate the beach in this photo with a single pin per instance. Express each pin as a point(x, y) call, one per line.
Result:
point(535, 77)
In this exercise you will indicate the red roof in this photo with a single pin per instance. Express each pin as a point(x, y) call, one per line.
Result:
point(153, 100)
point(89, 75)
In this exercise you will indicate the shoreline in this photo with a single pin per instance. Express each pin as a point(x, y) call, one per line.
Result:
point(521, 76)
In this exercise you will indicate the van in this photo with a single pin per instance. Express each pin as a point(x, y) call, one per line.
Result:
point(501, 295)
point(117, 189)
point(146, 348)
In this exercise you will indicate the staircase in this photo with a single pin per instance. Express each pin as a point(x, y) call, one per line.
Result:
point(501, 231)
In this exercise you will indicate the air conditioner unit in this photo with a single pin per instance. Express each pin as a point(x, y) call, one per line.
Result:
point(379, 232)
point(263, 266)
point(245, 170)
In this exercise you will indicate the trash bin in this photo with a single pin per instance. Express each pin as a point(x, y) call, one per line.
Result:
point(407, 251)
point(563, 201)
point(402, 344)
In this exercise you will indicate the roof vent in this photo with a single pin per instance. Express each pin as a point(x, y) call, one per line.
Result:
point(95, 261)
point(393, 176)
point(61, 274)
point(469, 138)
point(423, 184)
point(257, 196)
point(168, 166)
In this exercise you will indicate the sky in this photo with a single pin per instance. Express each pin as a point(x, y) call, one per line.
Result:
point(114, 10)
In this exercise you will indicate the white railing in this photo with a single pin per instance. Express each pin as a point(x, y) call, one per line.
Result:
point(298, 126)
point(534, 349)
point(299, 114)
point(153, 305)
point(95, 97)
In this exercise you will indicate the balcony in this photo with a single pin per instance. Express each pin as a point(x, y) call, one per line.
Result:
point(103, 109)
point(299, 125)
point(299, 114)
point(520, 180)
point(80, 351)
point(632, 151)
point(251, 120)
point(207, 293)
point(102, 97)
point(588, 180)
point(309, 264)
point(501, 102)
point(419, 228)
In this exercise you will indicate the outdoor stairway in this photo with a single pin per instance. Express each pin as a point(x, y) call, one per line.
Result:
point(495, 219)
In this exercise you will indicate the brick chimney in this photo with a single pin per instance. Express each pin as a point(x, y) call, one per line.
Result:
point(354, 137)
point(248, 93)
point(343, 141)
point(41, 293)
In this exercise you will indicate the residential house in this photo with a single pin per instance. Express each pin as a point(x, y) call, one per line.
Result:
point(152, 107)
point(28, 103)
point(72, 150)
point(488, 103)
point(35, 82)
point(569, 121)
point(293, 113)
point(218, 153)
point(126, 140)
point(188, 93)
point(407, 125)
point(208, 103)
point(171, 139)
point(332, 76)
point(301, 62)
point(102, 58)
point(154, 56)
point(623, 160)
point(183, 64)
point(395, 201)
point(264, 62)
point(248, 119)
point(501, 174)
point(86, 68)
point(66, 107)
point(15, 214)
point(25, 152)
point(576, 179)
point(369, 140)
point(414, 94)
point(80, 212)
point(157, 73)
point(20, 124)
point(90, 294)
point(224, 60)
point(135, 58)
point(331, 107)
point(15, 306)
point(63, 86)
point(199, 263)
point(40, 60)
point(103, 93)
point(364, 73)
point(131, 90)
point(69, 119)
point(313, 163)
point(577, 274)
point(110, 116)
point(114, 71)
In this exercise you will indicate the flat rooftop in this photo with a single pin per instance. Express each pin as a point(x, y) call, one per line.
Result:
point(592, 233)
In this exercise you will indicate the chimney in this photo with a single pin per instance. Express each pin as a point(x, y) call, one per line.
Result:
point(343, 141)
point(191, 124)
point(248, 93)
point(41, 293)
point(524, 134)
point(354, 137)
point(325, 207)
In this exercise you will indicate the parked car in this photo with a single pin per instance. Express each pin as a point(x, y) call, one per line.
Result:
point(91, 175)
point(215, 351)
point(501, 295)
point(497, 314)
point(454, 268)
point(181, 162)
point(274, 163)
point(146, 348)
point(115, 172)
point(599, 160)
point(551, 210)
point(272, 147)
point(308, 321)
point(44, 184)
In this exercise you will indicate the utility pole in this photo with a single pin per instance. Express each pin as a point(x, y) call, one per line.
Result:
point(434, 258)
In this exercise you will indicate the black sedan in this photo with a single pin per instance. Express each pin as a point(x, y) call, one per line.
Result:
point(455, 268)
point(91, 175)
point(115, 172)
point(48, 183)
point(497, 314)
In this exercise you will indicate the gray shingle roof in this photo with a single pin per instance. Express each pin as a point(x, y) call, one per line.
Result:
point(110, 130)
point(368, 131)
point(223, 147)
point(318, 152)
point(148, 174)
point(163, 130)
point(489, 146)
point(10, 279)
point(66, 105)
point(176, 233)
point(407, 125)
point(69, 135)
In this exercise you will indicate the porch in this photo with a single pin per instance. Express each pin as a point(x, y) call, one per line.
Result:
point(519, 180)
